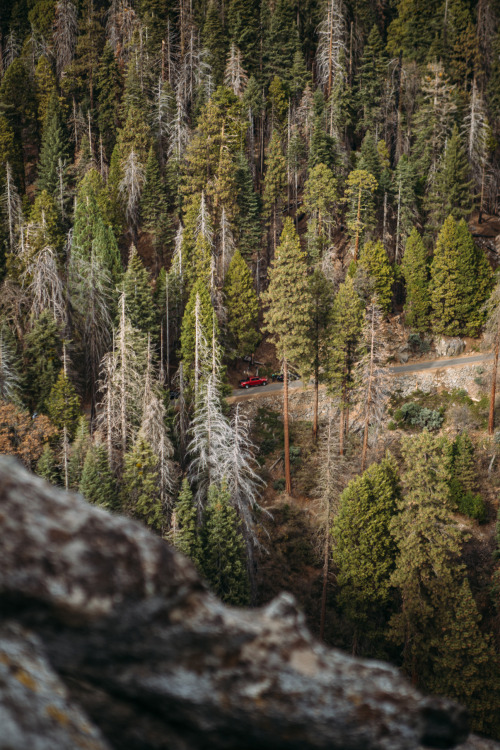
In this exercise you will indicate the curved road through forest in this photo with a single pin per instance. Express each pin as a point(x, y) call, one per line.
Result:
point(431, 364)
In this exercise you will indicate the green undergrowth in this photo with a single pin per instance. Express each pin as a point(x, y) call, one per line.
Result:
point(434, 410)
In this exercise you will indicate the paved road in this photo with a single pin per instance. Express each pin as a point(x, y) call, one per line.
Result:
point(433, 364)
point(437, 364)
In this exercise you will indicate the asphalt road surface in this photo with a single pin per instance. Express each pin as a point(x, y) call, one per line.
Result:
point(433, 364)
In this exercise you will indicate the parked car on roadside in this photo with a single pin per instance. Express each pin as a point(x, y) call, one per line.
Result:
point(251, 382)
point(279, 377)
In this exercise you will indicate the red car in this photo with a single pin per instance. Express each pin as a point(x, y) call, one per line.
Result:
point(250, 382)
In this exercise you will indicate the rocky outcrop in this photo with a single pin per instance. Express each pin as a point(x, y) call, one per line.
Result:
point(108, 638)
point(449, 347)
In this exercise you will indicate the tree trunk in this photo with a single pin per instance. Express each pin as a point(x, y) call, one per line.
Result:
point(316, 404)
point(481, 201)
point(491, 418)
point(330, 71)
point(341, 431)
point(167, 329)
point(288, 480)
point(368, 395)
point(356, 246)
point(326, 558)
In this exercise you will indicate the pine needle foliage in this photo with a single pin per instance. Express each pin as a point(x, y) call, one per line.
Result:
point(415, 268)
point(185, 534)
point(241, 306)
point(46, 466)
point(224, 549)
point(364, 551)
point(63, 404)
point(461, 280)
point(140, 484)
point(97, 483)
point(287, 297)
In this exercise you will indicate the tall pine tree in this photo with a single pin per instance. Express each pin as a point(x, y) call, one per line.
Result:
point(288, 314)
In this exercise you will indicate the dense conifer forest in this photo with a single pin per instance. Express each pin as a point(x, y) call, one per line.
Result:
point(197, 192)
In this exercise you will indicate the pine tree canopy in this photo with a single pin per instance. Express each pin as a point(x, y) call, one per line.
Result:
point(460, 281)
point(224, 549)
point(287, 297)
point(242, 307)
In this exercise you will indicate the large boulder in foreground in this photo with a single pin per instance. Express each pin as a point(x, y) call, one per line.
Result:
point(109, 639)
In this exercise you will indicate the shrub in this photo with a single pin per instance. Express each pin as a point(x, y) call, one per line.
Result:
point(473, 506)
point(279, 485)
point(419, 416)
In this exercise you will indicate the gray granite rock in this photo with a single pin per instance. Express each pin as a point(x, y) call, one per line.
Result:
point(156, 661)
point(449, 347)
point(35, 711)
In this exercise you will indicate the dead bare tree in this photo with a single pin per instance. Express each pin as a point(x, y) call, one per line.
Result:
point(65, 31)
point(332, 47)
point(235, 76)
point(12, 208)
point(131, 187)
point(43, 285)
point(373, 375)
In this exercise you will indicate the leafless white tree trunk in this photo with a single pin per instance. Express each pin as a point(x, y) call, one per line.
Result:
point(65, 30)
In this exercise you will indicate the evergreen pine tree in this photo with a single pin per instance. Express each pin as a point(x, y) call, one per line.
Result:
point(45, 84)
point(414, 28)
point(80, 76)
point(360, 187)
point(288, 313)
point(321, 299)
point(460, 281)
point(109, 89)
point(140, 484)
point(370, 79)
point(46, 466)
point(224, 549)
point(364, 551)
point(280, 41)
point(42, 361)
point(274, 185)
point(464, 465)
point(215, 41)
point(428, 565)
point(63, 404)
point(54, 150)
point(322, 147)
point(242, 307)
point(375, 262)
point(243, 27)
point(139, 306)
point(185, 535)
point(346, 329)
point(97, 483)
point(44, 225)
point(368, 158)
point(416, 274)
point(465, 664)
point(320, 197)
point(10, 151)
point(154, 205)
point(405, 183)
point(451, 193)
point(79, 449)
point(249, 212)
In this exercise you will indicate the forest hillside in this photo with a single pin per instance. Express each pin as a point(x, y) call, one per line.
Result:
point(194, 194)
